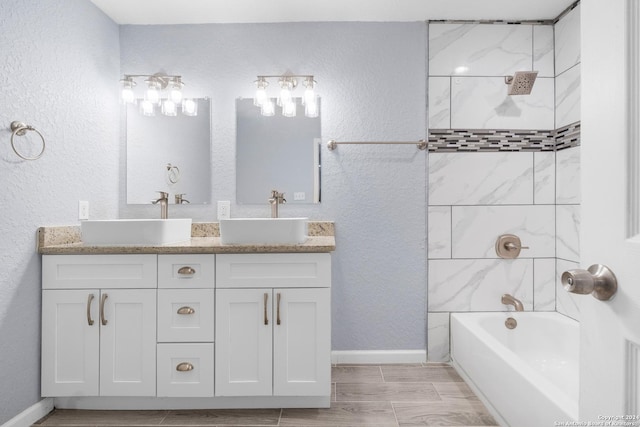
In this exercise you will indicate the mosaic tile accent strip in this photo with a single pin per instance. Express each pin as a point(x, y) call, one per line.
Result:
point(478, 140)
point(568, 136)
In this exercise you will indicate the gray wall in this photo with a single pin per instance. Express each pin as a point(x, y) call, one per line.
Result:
point(371, 78)
point(59, 65)
point(60, 68)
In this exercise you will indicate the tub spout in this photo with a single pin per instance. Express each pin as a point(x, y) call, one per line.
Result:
point(510, 300)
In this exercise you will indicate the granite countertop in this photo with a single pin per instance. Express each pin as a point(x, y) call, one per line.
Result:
point(205, 239)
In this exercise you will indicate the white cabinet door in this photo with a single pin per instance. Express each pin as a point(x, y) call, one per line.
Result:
point(243, 342)
point(302, 342)
point(128, 342)
point(70, 343)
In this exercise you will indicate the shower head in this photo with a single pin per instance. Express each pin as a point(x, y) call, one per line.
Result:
point(521, 82)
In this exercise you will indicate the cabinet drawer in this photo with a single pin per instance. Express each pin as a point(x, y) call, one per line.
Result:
point(185, 315)
point(186, 271)
point(99, 271)
point(273, 270)
point(185, 370)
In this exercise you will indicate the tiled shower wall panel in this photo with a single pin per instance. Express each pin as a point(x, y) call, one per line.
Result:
point(467, 66)
point(474, 197)
point(567, 59)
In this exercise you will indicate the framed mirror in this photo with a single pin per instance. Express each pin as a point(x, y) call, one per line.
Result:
point(169, 153)
point(276, 153)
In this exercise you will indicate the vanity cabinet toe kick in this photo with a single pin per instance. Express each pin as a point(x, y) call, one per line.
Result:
point(223, 330)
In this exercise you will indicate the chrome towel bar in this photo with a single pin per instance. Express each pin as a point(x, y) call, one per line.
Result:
point(333, 144)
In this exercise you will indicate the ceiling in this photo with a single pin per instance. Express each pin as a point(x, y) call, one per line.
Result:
point(154, 12)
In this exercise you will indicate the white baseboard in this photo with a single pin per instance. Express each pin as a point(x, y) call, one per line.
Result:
point(378, 356)
point(32, 414)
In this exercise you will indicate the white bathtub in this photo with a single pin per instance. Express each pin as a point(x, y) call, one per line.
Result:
point(527, 376)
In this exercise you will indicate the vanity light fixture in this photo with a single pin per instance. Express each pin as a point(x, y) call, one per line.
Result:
point(161, 90)
point(285, 99)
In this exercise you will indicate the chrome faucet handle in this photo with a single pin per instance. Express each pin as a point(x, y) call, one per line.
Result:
point(163, 196)
point(180, 199)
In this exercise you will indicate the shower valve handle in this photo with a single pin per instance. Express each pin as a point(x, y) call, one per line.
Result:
point(512, 246)
point(508, 246)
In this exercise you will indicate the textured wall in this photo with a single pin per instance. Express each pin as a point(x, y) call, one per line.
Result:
point(371, 79)
point(59, 61)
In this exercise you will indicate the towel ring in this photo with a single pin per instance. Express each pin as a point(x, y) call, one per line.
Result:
point(20, 129)
point(173, 174)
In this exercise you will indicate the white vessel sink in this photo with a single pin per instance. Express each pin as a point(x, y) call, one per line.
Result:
point(268, 231)
point(143, 232)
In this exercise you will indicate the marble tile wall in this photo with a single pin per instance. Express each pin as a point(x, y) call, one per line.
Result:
point(467, 66)
point(475, 196)
point(567, 60)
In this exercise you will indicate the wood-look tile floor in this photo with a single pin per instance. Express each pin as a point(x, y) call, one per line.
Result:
point(363, 395)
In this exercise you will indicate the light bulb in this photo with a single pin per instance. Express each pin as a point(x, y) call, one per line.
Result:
point(152, 95)
point(309, 93)
point(175, 91)
point(268, 108)
point(285, 97)
point(309, 96)
point(261, 97)
point(127, 96)
point(286, 86)
point(175, 95)
point(189, 107)
point(289, 109)
point(261, 92)
point(169, 108)
point(147, 108)
point(311, 107)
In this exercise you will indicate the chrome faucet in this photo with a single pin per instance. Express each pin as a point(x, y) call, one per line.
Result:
point(180, 199)
point(275, 200)
point(164, 204)
point(510, 300)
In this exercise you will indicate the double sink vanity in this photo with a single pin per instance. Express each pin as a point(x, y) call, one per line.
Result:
point(138, 315)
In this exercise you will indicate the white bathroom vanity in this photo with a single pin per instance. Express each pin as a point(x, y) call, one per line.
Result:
point(197, 325)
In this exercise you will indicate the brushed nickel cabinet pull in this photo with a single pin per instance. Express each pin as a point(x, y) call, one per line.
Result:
point(89, 319)
point(184, 367)
point(266, 316)
point(186, 310)
point(102, 301)
point(186, 271)
point(278, 310)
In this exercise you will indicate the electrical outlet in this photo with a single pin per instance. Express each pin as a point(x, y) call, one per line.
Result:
point(83, 209)
point(299, 195)
point(224, 209)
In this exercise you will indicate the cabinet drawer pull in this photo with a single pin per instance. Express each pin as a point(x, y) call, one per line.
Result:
point(266, 316)
point(186, 310)
point(184, 367)
point(278, 310)
point(186, 271)
point(103, 320)
point(89, 319)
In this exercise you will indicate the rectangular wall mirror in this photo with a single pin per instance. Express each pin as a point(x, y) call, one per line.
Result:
point(276, 153)
point(169, 153)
